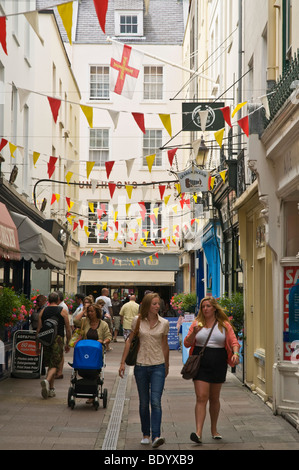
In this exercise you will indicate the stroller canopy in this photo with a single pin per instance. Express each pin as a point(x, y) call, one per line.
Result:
point(88, 354)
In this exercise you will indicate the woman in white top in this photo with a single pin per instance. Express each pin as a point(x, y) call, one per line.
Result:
point(151, 368)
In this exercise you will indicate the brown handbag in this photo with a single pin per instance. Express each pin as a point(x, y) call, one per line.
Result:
point(192, 364)
point(134, 347)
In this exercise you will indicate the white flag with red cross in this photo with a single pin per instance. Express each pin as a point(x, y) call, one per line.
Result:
point(125, 66)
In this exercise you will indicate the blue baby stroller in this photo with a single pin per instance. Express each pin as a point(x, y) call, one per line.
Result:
point(87, 377)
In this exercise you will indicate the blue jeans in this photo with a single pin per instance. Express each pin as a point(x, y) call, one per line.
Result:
point(150, 384)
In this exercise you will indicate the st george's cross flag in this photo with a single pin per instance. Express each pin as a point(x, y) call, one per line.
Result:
point(125, 66)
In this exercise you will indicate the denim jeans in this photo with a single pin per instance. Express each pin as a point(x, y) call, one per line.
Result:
point(150, 384)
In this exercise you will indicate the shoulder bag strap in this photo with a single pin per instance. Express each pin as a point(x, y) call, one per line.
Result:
point(207, 340)
point(136, 331)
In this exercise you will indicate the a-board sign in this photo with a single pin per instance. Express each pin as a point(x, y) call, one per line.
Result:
point(26, 363)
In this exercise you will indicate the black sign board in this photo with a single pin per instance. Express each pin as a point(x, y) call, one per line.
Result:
point(26, 363)
point(191, 116)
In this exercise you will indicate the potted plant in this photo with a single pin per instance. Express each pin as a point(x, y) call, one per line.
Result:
point(184, 302)
point(234, 309)
point(12, 308)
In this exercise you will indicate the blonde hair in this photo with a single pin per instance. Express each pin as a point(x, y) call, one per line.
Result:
point(220, 315)
point(146, 303)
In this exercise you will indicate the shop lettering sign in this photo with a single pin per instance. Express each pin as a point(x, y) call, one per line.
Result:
point(290, 309)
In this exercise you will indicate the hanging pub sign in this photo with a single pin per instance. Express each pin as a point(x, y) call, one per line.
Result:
point(26, 362)
point(193, 180)
point(202, 116)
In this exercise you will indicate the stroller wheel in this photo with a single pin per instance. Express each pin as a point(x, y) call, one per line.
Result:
point(105, 397)
point(96, 404)
point(70, 399)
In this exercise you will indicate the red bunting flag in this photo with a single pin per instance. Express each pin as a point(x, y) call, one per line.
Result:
point(109, 166)
point(51, 166)
point(3, 142)
point(171, 153)
point(55, 105)
point(53, 198)
point(81, 222)
point(244, 124)
point(156, 255)
point(139, 118)
point(153, 242)
point(75, 226)
point(226, 115)
point(138, 262)
point(112, 187)
point(101, 7)
point(162, 190)
point(3, 33)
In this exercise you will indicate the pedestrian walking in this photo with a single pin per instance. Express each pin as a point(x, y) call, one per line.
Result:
point(151, 367)
point(116, 306)
point(222, 349)
point(128, 311)
point(79, 300)
point(59, 374)
point(41, 301)
point(52, 355)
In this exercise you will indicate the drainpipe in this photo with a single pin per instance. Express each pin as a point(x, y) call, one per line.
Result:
point(271, 45)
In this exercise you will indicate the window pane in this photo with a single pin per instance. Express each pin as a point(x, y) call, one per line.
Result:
point(153, 83)
point(152, 141)
point(99, 146)
point(99, 83)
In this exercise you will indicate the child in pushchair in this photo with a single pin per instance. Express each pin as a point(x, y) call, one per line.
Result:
point(88, 364)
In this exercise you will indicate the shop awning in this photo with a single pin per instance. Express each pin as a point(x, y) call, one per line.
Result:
point(38, 245)
point(9, 243)
point(127, 278)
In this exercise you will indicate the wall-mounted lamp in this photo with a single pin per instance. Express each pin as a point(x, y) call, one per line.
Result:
point(202, 153)
point(44, 204)
point(13, 175)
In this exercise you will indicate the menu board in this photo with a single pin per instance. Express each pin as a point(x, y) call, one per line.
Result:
point(26, 363)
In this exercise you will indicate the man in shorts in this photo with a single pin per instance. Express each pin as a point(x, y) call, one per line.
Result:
point(53, 355)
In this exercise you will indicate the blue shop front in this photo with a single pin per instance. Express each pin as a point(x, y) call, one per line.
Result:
point(212, 266)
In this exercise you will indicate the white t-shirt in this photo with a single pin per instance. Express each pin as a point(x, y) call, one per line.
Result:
point(217, 339)
point(107, 301)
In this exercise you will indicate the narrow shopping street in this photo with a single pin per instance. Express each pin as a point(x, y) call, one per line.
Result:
point(28, 422)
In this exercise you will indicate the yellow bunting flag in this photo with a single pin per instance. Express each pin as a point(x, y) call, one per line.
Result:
point(238, 107)
point(88, 111)
point(115, 235)
point(139, 220)
point(65, 11)
point(36, 156)
point(91, 206)
point(86, 231)
point(12, 149)
point(57, 197)
point(68, 177)
point(127, 208)
point(104, 226)
point(165, 118)
point(115, 215)
point(150, 160)
point(166, 199)
point(174, 208)
point(222, 174)
point(89, 167)
point(178, 187)
point(156, 210)
point(151, 258)
point(219, 137)
point(212, 182)
point(129, 189)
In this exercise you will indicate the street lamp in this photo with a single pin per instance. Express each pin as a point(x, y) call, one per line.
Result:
point(202, 153)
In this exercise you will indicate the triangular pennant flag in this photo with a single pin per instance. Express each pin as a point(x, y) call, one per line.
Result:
point(165, 118)
point(32, 17)
point(226, 115)
point(12, 149)
point(203, 119)
point(166, 199)
point(68, 176)
point(81, 222)
point(178, 187)
point(150, 161)
point(109, 166)
point(88, 111)
point(91, 206)
point(53, 198)
point(175, 208)
point(3, 143)
point(129, 189)
point(55, 105)
point(51, 166)
point(162, 190)
point(171, 153)
point(127, 208)
point(238, 107)
point(86, 231)
point(3, 33)
point(155, 211)
point(244, 124)
point(23, 97)
point(35, 157)
point(139, 118)
point(219, 136)
point(222, 174)
point(114, 116)
point(129, 165)
point(65, 11)
point(212, 182)
point(75, 226)
point(89, 167)
point(112, 187)
point(101, 7)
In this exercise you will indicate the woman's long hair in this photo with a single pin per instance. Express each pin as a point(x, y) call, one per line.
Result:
point(220, 315)
point(97, 309)
point(146, 303)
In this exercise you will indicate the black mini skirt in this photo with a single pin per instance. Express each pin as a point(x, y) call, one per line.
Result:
point(213, 365)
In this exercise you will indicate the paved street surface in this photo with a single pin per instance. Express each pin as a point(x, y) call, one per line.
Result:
point(28, 422)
